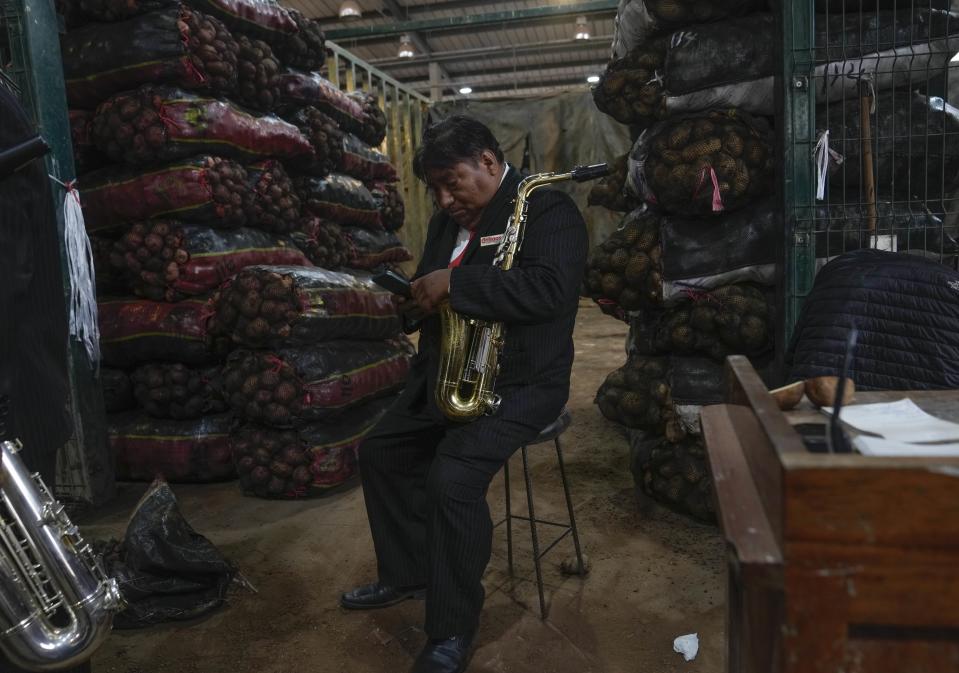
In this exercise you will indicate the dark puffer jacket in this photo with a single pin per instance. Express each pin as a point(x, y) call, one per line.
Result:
point(906, 309)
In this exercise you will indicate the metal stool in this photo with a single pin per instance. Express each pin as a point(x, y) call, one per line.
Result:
point(552, 432)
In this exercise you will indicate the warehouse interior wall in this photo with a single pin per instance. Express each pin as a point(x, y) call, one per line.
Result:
point(564, 130)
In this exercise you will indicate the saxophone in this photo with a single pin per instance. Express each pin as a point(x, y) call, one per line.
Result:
point(56, 603)
point(470, 348)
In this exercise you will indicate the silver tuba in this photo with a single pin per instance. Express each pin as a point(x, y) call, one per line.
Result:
point(56, 602)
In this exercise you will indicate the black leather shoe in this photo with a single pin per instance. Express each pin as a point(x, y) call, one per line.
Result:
point(449, 655)
point(378, 595)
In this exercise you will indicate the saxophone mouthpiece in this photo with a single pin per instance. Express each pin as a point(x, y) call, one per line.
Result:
point(584, 173)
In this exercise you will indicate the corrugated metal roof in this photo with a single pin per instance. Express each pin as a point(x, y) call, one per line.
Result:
point(525, 49)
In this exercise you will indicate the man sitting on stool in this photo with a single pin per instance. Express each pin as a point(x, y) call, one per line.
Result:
point(424, 477)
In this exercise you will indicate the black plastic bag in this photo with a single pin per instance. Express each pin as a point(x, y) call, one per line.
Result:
point(166, 570)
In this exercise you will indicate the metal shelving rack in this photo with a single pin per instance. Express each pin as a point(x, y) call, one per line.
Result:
point(914, 213)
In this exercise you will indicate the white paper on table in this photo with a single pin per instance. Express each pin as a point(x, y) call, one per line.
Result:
point(876, 446)
point(903, 421)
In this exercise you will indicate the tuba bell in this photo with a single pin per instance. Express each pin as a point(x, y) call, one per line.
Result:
point(56, 602)
point(469, 348)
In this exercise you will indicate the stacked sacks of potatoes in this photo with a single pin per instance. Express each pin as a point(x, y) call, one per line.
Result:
point(675, 269)
point(202, 187)
point(324, 357)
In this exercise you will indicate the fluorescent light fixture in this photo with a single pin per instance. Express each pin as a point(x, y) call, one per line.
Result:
point(465, 90)
point(406, 47)
point(350, 10)
point(582, 28)
point(593, 79)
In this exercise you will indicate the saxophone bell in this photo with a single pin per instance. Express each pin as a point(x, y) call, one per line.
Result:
point(56, 602)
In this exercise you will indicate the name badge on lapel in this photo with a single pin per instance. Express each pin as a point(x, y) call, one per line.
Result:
point(491, 240)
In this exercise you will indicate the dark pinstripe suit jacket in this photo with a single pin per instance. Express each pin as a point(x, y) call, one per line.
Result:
point(537, 300)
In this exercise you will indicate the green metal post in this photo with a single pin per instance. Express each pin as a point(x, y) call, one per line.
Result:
point(797, 141)
point(41, 79)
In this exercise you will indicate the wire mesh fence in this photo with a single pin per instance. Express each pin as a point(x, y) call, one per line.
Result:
point(872, 142)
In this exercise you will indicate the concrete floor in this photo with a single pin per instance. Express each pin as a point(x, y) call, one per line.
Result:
point(655, 575)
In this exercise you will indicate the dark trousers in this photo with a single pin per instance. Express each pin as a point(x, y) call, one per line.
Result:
point(425, 484)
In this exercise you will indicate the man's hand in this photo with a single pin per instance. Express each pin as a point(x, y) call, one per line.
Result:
point(409, 308)
point(432, 289)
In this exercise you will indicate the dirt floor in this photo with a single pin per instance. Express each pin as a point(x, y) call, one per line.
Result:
point(655, 575)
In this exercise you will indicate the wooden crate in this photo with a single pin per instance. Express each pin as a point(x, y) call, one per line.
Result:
point(837, 563)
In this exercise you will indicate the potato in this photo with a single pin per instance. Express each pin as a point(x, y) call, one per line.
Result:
point(821, 390)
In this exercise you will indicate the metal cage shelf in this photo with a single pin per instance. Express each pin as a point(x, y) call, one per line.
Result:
point(870, 147)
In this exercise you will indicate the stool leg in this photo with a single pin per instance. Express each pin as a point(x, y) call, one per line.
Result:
point(509, 520)
point(532, 528)
point(569, 507)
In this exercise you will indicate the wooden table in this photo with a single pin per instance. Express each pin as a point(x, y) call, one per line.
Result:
point(838, 563)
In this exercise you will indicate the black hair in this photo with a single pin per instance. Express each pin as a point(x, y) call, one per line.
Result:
point(455, 139)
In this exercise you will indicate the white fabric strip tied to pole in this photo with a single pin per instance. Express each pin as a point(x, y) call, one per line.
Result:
point(83, 292)
point(822, 164)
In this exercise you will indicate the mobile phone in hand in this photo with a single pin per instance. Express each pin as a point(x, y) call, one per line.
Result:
point(394, 282)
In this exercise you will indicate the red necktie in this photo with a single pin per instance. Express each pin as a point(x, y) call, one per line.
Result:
point(459, 258)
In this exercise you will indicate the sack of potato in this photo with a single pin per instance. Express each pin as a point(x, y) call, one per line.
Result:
point(325, 137)
point(203, 189)
point(685, 254)
point(610, 192)
point(637, 394)
point(277, 306)
point(188, 451)
point(625, 271)
point(176, 46)
point(276, 204)
point(292, 386)
point(630, 90)
point(303, 461)
point(371, 249)
point(637, 21)
point(677, 475)
point(364, 162)
point(258, 74)
point(136, 331)
point(356, 113)
point(165, 260)
point(323, 242)
point(178, 392)
point(117, 390)
point(730, 320)
point(305, 48)
point(86, 156)
point(702, 164)
point(389, 202)
point(156, 124)
point(340, 198)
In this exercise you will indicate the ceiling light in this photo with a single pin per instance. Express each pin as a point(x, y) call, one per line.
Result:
point(593, 79)
point(582, 28)
point(350, 10)
point(406, 47)
point(465, 90)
